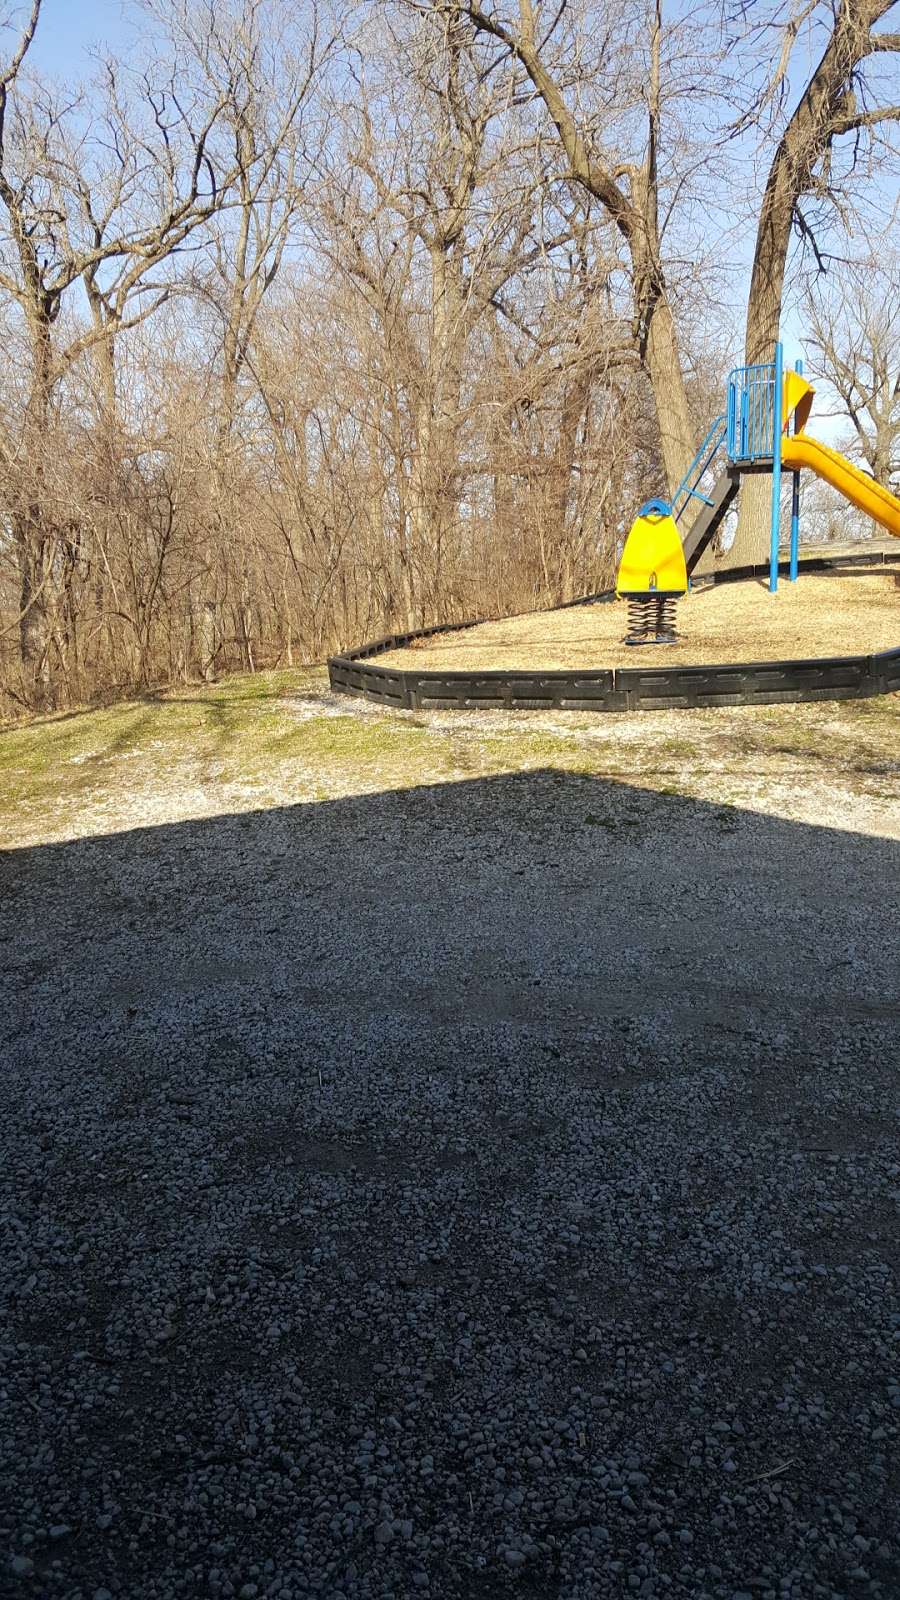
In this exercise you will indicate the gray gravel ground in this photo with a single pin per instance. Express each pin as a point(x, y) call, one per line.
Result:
point(479, 1190)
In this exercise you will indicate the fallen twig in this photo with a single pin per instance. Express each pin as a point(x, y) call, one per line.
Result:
point(773, 1471)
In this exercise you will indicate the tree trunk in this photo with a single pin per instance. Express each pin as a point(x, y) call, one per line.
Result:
point(33, 631)
point(206, 642)
point(558, 488)
point(826, 109)
point(753, 537)
point(637, 219)
point(433, 503)
point(676, 432)
point(654, 319)
point(33, 539)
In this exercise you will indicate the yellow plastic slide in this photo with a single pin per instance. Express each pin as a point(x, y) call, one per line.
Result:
point(800, 450)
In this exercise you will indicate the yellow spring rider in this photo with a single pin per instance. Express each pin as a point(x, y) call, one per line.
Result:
point(652, 575)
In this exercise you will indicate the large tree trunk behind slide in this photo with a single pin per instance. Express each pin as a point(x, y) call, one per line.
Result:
point(753, 536)
point(752, 539)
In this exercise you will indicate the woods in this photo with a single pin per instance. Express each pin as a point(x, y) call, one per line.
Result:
point(321, 322)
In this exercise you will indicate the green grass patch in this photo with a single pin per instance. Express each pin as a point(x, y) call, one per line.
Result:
point(269, 729)
point(348, 744)
point(529, 749)
point(74, 752)
point(238, 731)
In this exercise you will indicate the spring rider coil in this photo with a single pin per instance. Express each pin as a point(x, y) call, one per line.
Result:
point(652, 576)
point(651, 619)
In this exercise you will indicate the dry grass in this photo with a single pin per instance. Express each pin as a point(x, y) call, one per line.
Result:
point(823, 614)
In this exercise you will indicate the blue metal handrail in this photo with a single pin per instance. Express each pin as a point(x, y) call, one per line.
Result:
point(755, 396)
point(710, 447)
point(751, 412)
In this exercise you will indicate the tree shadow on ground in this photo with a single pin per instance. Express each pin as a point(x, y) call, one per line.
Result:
point(452, 1190)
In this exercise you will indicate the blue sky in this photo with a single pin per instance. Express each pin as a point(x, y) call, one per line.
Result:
point(68, 30)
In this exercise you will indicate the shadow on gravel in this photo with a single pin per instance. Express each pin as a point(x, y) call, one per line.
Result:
point(476, 1190)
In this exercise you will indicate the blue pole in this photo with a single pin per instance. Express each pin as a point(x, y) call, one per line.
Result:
point(795, 506)
point(776, 464)
point(732, 441)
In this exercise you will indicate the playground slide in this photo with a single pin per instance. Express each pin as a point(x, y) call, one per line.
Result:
point(799, 450)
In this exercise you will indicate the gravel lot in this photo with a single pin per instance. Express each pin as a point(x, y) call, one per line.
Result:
point(486, 1188)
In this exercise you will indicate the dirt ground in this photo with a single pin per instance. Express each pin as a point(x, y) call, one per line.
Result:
point(822, 614)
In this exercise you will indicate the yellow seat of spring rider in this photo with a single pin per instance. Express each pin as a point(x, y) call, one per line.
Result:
point(652, 574)
point(652, 559)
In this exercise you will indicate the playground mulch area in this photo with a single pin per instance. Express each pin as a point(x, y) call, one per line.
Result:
point(822, 614)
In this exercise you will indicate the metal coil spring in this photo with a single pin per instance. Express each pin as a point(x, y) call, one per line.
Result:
point(641, 619)
point(651, 619)
point(665, 619)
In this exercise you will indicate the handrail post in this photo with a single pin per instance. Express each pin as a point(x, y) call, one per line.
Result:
point(795, 504)
point(776, 465)
point(732, 440)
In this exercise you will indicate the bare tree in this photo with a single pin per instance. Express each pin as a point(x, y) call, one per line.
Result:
point(558, 434)
point(271, 55)
point(101, 198)
point(626, 185)
point(437, 201)
point(854, 340)
point(316, 363)
point(839, 101)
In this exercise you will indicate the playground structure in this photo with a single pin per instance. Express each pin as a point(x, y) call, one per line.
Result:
point(655, 570)
point(762, 430)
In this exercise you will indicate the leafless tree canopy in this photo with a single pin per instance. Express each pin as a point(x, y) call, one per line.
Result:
point(323, 321)
point(854, 323)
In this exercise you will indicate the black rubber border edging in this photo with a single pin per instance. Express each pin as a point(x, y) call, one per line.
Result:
point(623, 688)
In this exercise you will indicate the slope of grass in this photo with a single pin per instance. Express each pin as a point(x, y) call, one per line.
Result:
point(71, 753)
point(266, 738)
